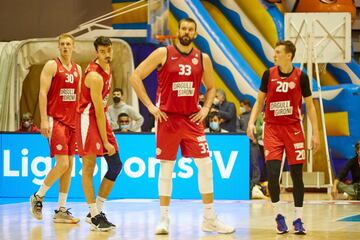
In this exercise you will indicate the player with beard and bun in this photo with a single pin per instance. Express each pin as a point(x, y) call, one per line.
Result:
point(57, 104)
point(179, 118)
point(282, 87)
point(95, 136)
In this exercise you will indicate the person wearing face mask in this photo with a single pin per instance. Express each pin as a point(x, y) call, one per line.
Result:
point(119, 106)
point(226, 111)
point(214, 124)
point(124, 123)
point(27, 124)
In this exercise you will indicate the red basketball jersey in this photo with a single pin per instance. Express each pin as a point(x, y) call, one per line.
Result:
point(62, 94)
point(179, 82)
point(283, 97)
point(85, 102)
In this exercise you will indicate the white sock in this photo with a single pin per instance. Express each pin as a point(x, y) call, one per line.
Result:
point(276, 208)
point(164, 211)
point(209, 211)
point(298, 212)
point(100, 203)
point(93, 209)
point(62, 199)
point(42, 190)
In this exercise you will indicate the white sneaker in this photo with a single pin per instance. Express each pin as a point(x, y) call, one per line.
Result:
point(256, 193)
point(215, 225)
point(163, 226)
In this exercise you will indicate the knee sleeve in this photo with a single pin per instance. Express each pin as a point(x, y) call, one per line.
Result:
point(273, 172)
point(114, 166)
point(298, 191)
point(165, 177)
point(205, 175)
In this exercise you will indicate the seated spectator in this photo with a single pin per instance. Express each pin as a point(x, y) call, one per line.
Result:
point(27, 124)
point(226, 111)
point(124, 123)
point(245, 111)
point(350, 191)
point(214, 123)
point(119, 106)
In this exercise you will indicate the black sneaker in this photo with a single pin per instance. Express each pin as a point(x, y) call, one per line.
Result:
point(99, 223)
point(36, 206)
point(111, 224)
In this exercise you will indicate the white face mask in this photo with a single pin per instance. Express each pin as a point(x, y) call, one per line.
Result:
point(216, 101)
point(242, 110)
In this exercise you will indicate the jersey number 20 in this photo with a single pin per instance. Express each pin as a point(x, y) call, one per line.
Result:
point(282, 86)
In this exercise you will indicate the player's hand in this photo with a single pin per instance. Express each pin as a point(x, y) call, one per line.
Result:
point(315, 142)
point(251, 129)
point(200, 115)
point(158, 114)
point(44, 126)
point(334, 193)
point(110, 149)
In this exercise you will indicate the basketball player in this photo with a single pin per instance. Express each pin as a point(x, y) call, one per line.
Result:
point(95, 137)
point(282, 87)
point(57, 102)
point(181, 68)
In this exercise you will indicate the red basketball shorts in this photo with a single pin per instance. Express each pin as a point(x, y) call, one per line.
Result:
point(290, 138)
point(177, 131)
point(62, 138)
point(88, 137)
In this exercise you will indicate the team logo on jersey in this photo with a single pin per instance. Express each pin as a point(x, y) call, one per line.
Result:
point(292, 85)
point(75, 74)
point(281, 108)
point(59, 147)
point(195, 61)
point(98, 146)
point(183, 88)
point(68, 94)
point(158, 151)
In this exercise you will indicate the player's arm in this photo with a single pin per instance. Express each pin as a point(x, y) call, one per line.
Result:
point(95, 83)
point(258, 106)
point(310, 110)
point(209, 83)
point(155, 59)
point(47, 73)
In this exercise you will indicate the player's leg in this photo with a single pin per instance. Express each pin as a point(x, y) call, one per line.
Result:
point(194, 145)
point(296, 155)
point(165, 190)
point(273, 149)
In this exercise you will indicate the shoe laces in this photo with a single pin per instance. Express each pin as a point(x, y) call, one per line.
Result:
point(105, 218)
point(65, 211)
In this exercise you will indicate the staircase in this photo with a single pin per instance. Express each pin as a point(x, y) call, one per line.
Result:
point(356, 33)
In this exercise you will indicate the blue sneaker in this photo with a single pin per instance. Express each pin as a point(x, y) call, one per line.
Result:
point(281, 227)
point(298, 227)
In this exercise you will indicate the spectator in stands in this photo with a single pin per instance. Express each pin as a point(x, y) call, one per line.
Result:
point(255, 186)
point(201, 99)
point(214, 123)
point(350, 191)
point(226, 111)
point(27, 124)
point(124, 123)
point(119, 106)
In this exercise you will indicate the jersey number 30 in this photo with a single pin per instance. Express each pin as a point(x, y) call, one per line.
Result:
point(184, 70)
point(69, 78)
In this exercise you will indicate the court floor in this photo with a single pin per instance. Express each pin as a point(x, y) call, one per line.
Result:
point(136, 219)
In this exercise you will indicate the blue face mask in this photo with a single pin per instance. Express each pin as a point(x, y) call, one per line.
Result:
point(125, 126)
point(214, 125)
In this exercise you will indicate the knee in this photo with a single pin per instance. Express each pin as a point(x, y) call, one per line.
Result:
point(205, 175)
point(165, 178)
point(62, 165)
point(114, 167)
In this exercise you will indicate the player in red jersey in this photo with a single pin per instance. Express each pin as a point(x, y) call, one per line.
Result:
point(95, 136)
point(57, 102)
point(282, 87)
point(181, 68)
